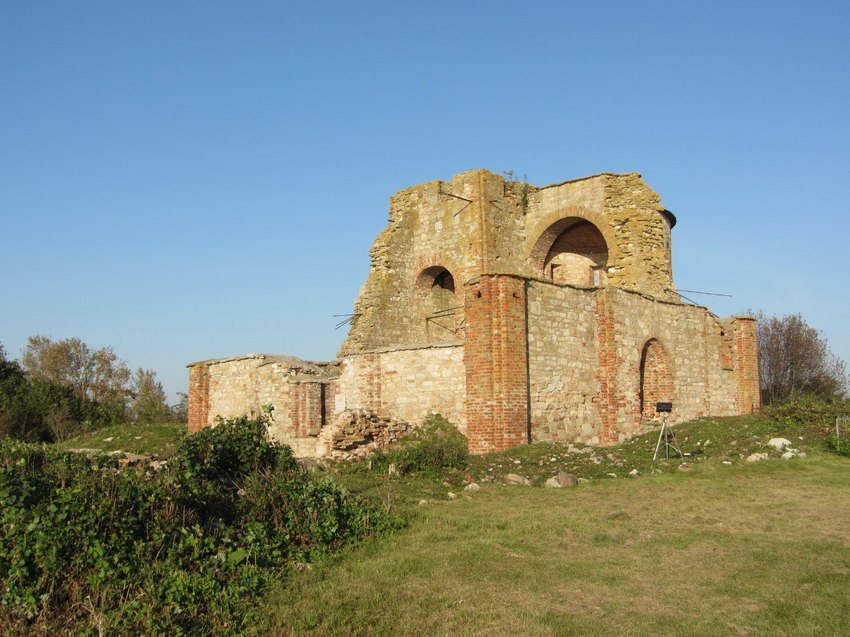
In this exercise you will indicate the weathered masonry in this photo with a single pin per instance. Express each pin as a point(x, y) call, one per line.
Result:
point(520, 313)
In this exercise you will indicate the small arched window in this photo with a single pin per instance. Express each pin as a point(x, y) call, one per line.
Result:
point(442, 309)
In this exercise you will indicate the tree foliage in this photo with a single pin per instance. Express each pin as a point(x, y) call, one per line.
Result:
point(95, 375)
point(795, 359)
point(63, 388)
point(148, 402)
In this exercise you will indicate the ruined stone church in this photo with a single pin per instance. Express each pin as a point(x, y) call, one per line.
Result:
point(520, 313)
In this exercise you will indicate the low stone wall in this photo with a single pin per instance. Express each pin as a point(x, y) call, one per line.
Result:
point(233, 387)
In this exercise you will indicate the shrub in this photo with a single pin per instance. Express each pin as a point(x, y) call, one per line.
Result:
point(814, 416)
point(186, 550)
point(436, 445)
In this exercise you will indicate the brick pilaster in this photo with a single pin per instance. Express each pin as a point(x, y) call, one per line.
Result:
point(610, 400)
point(748, 396)
point(199, 397)
point(496, 361)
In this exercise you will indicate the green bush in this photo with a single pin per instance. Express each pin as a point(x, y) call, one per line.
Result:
point(184, 550)
point(435, 445)
point(815, 417)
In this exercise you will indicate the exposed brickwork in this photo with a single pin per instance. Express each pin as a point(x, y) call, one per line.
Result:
point(307, 408)
point(610, 400)
point(496, 364)
point(199, 397)
point(656, 379)
point(747, 364)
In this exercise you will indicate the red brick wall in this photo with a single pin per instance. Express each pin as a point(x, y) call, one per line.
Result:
point(199, 397)
point(495, 358)
point(306, 409)
point(610, 399)
point(581, 238)
point(747, 364)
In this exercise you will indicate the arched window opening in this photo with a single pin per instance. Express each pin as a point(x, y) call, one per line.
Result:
point(656, 379)
point(578, 254)
point(445, 281)
point(442, 309)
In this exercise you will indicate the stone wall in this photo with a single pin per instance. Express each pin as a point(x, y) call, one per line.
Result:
point(479, 223)
point(407, 384)
point(232, 387)
point(563, 355)
point(588, 358)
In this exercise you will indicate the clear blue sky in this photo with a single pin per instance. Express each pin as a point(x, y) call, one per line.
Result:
point(190, 180)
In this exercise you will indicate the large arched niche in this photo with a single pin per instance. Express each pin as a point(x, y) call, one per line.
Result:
point(572, 250)
point(656, 378)
point(440, 307)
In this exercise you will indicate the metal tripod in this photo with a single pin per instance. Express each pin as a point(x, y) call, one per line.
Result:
point(669, 439)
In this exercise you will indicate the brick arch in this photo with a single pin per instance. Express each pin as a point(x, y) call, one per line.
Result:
point(546, 232)
point(656, 378)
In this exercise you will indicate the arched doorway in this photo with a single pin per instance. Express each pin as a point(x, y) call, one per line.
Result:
point(656, 379)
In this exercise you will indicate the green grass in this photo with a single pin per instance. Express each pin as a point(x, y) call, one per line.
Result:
point(705, 545)
point(720, 550)
point(158, 439)
point(731, 439)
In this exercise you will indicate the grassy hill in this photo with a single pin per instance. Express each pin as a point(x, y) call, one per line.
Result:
point(159, 439)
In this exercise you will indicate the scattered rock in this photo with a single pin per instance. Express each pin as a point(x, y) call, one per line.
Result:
point(110, 439)
point(756, 457)
point(451, 495)
point(423, 502)
point(633, 472)
point(778, 443)
point(513, 478)
point(472, 487)
point(567, 479)
point(611, 475)
point(552, 483)
point(517, 461)
point(727, 462)
point(788, 455)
